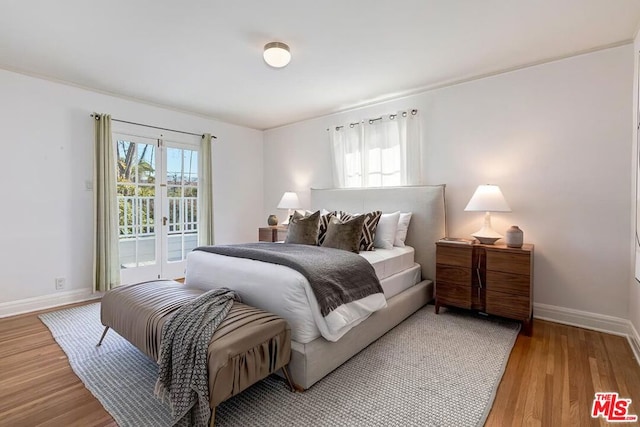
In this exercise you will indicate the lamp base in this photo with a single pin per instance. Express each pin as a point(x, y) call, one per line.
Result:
point(486, 235)
point(286, 221)
point(487, 240)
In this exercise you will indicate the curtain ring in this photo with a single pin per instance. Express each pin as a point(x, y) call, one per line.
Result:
point(414, 112)
point(404, 114)
point(351, 125)
point(392, 116)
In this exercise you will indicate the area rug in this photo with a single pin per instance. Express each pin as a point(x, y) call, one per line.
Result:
point(431, 370)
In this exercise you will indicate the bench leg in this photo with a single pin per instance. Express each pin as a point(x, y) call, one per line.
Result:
point(213, 417)
point(106, 328)
point(285, 371)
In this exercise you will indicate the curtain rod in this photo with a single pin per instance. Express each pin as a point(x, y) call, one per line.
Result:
point(391, 116)
point(95, 116)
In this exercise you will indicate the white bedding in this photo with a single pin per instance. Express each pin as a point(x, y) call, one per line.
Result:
point(285, 292)
point(401, 281)
point(388, 262)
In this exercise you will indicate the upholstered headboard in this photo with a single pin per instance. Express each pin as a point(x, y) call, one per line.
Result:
point(428, 222)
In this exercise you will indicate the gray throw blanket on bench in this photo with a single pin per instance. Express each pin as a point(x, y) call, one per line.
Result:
point(336, 277)
point(183, 373)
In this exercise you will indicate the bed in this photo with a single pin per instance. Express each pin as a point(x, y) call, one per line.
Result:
point(405, 275)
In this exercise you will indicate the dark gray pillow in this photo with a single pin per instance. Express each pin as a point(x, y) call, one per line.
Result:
point(344, 235)
point(303, 230)
point(369, 228)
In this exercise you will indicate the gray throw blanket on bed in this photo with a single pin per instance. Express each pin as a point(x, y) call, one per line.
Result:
point(183, 373)
point(336, 276)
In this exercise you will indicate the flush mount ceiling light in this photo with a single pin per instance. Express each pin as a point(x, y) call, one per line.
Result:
point(276, 54)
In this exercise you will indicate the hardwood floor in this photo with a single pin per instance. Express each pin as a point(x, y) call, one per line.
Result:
point(37, 385)
point(550, 379)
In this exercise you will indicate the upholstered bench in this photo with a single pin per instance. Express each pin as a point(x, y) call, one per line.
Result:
point(248, 345)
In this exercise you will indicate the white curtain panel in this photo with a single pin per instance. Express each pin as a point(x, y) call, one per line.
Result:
point(337, 156)
point(382, 163)
point(205, 193)
point(106, 257)
point(377, 153)
point(409, 128)
point(347, 151)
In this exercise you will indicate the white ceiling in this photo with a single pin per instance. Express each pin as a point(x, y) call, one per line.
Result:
point(206, 56)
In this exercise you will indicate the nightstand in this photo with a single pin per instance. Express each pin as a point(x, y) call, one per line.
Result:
point(492, 279)
point(274, 233)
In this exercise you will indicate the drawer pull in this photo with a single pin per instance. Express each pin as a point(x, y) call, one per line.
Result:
point(478, 271)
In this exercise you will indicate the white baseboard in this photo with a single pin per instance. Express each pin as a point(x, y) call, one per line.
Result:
point(634, 342)
point(582, 319)
point(46, 301)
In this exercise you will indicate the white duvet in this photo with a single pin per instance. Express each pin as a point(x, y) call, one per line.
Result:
point(279, 290)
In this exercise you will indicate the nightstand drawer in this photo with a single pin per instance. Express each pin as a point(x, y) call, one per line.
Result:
point(457, 275)
point(508, 305)
point(510, 283)
point(454, 255)
point(509, 262)
point(453, 294)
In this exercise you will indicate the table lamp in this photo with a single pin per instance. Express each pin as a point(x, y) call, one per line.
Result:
point(289, 201)
point(487, 198)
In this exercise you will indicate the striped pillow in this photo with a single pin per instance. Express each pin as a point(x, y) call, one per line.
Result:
point(323, 224)
point(368, 228)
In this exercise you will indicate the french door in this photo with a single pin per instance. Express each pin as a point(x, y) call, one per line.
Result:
point(157, 192)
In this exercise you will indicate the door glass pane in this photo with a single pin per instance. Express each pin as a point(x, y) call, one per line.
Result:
point(174, 166)
point(146, 172)
point(182, 194)
point(126, 165)
point(190, 163)
point(136, 203)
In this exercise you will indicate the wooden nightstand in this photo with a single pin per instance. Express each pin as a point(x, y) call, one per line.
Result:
point(274, 233)
point(493, 279)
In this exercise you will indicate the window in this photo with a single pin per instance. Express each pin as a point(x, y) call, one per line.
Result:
point(378, 152)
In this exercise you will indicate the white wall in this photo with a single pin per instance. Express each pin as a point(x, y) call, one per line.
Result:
point(556, 138)
point(47, 153)
point(634, 286)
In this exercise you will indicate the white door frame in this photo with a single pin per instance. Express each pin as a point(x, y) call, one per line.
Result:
point(161, 267)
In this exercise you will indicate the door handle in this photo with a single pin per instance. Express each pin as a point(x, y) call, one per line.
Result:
point(164, 220)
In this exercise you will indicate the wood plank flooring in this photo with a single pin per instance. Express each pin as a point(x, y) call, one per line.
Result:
point(550, 379)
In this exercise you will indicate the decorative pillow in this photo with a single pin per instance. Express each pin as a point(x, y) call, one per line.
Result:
point(323, 224)
point(368, 228)
point(403, 226)
point(303, 230)
point(304, 212)
point(344, 235)
point(386, 231)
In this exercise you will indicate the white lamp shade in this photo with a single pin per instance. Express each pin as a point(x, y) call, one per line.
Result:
point(276, 54)
point(488, 198)
point(289, 201)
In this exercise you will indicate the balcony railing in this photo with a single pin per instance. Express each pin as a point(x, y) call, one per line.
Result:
point(137, 216)
point(138, 233)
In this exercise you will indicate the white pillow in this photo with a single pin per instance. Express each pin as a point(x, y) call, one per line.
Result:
point(386, 231)
point(403, 226)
